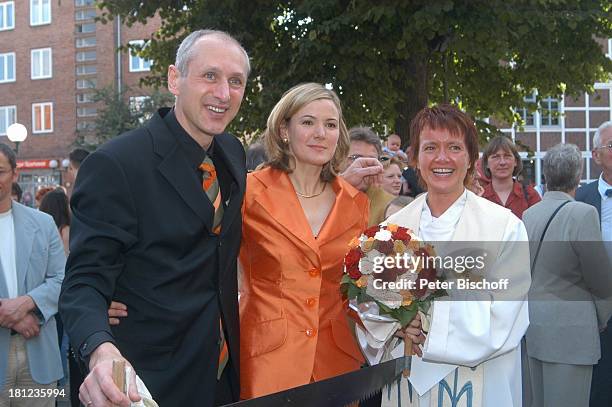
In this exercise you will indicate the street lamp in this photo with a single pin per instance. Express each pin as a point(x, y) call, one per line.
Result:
point(17, 133)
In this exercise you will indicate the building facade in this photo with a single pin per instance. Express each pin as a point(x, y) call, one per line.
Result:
point(564, 120)
point(53, 55)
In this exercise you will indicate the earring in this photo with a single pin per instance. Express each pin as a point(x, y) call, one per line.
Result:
point(286, 140)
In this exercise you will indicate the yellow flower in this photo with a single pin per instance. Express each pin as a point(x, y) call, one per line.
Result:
point(391, 227)
point(368, 245)
point(414, 245)
point(406, 297)
point(354, 243)
point(362, 282)
point(399, 247)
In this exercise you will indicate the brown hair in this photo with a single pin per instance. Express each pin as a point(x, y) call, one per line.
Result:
point(449, 118)
point(279, 155)
point(501, 143)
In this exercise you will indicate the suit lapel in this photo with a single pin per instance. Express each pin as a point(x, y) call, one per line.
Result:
point(281, 203)
point(234, 161)
point(175, 168)
point(594, 198)
point(344, 213)
point(25, 230)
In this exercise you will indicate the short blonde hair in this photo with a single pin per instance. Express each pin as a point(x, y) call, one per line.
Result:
point(389, 161)
point(293, 100)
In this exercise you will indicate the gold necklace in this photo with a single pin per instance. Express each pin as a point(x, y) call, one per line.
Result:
point(313, 195)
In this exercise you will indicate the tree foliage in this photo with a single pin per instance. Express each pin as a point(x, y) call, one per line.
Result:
point(117, 115)
point(388, 59)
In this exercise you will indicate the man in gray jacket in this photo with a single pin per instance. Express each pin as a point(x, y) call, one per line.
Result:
point(569, 298)
point(32, 269)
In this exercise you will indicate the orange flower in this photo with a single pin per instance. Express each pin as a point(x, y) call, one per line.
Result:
point(354, 243)
point(391, 227)
point(362, 282)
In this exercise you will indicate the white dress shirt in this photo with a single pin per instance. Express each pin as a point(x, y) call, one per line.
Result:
point(7, 252)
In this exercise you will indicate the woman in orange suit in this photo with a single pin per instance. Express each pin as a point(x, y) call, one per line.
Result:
point(298, 218)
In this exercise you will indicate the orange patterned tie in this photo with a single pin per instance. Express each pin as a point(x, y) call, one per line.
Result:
point(210, 184)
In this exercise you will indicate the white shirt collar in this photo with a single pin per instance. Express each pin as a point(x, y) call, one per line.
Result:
point(603, 187)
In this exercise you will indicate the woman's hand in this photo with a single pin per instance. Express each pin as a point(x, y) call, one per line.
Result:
point(115, 311)
point(413, 332)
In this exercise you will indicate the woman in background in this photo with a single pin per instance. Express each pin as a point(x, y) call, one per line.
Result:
point(392, 175)
point(502, 163)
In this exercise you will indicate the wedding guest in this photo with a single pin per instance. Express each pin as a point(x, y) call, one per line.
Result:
point(365, 150)
point(472, 352)
point(599, 194)
point(502, 163)
point(570, 280)
point(394, 147)
point(392, 176)
point(298, 217)
point(40, 194)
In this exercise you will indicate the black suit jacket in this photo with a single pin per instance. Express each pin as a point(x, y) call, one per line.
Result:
point(141, 235)
point(590, 194)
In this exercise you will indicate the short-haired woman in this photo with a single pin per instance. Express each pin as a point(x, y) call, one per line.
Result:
point(472, 353)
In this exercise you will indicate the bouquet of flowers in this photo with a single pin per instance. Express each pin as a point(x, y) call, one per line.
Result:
point(390, 267)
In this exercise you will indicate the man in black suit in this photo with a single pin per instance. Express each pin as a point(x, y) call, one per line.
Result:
point(599, 194)
point(145, 233)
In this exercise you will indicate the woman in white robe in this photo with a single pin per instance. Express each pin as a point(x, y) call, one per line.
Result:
point(471, 356)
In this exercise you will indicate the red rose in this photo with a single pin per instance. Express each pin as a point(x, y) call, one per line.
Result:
point(371, 231)
point(353, 271)
point(401, 234)
point(428, 274)
point(385, 247)
point(352, 257)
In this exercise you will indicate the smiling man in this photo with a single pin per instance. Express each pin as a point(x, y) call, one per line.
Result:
point(156, 226)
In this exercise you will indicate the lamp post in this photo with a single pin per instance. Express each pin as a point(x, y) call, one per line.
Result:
point(17, 133)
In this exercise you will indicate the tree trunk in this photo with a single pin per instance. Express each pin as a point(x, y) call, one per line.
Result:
point(415, 89)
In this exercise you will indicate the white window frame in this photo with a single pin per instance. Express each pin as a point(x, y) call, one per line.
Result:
point(80, 56)
point(5, 111)
point(41, 52)
point(87, 97)
point(40, 5)
point(4, 24)
point(81, 42)
point(6, 67)
point(90, 83)
point(43, 129)
point(141, 62)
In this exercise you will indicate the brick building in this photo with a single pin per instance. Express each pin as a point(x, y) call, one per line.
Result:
point(564, 120)
point(52, 55)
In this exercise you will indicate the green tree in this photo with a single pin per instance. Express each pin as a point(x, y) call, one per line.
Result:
point(388, 59)
point(117, 115)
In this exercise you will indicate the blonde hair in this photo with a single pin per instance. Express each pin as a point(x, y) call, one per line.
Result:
point(279, 155)
point(392, 161)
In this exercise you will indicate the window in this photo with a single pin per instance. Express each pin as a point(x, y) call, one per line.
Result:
point(138, 64)
point(86, 28)
point(7, 15)
point(86, 69)
point(85, 14)
point(42, 117)
point(40, 12)
point(548, 108)
point(85, 98)
point(8, 116)
point(41, 63)
point(86, 56)
point(85, 126)
point(86, 111)
point(80, 3)
point(7, 67)
point(549, 112)
point(86, 83)
point(85, 42)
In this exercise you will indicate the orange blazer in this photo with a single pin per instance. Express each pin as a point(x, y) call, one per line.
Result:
point(293, 322)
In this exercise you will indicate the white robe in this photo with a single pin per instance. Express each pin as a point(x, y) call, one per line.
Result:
point(471, 340)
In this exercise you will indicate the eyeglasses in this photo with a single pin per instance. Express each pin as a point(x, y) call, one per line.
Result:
point(382, 158)
point(609, 147)
point(4, 172)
